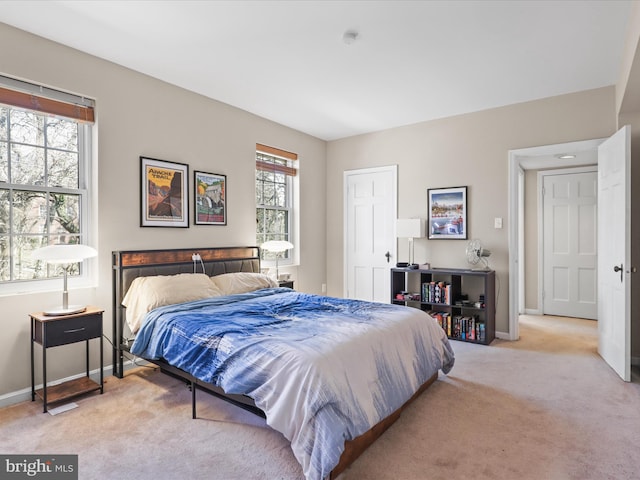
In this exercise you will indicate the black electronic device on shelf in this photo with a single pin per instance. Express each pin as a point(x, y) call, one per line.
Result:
point(412, 266)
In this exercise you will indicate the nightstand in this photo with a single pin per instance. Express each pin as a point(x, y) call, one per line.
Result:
point(286, 283)
point(53, 331)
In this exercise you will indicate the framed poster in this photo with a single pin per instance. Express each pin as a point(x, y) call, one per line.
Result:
point(210, 198)
point(447, 212)
point(163, 193)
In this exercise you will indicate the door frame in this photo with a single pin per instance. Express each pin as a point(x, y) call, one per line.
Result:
point(541, 175)
point(533, 158)
point(393, 169)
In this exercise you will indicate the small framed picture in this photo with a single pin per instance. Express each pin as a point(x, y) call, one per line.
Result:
point(210, 198)
point(447, 211)
point(163, 193)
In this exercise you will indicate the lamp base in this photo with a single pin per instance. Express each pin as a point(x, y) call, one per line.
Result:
point(70, 310)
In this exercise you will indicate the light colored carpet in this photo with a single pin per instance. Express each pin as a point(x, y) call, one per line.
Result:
point(543, 408)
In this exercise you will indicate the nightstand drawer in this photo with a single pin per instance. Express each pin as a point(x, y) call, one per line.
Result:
point(68, 330)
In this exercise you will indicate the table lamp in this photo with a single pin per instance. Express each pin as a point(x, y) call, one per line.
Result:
point(65, 255)
point(410, 228)
point(277, 247)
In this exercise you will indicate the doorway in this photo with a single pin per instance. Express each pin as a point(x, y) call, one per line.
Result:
point(565, 155)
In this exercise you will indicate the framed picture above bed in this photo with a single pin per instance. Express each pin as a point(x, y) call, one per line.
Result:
point(210, 191)
point(447, 212)
point(163, 193)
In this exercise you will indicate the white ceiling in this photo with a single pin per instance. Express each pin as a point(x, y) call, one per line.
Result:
point(286, 60)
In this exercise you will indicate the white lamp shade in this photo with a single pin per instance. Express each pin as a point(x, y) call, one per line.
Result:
point(276, 246)
point(64, 253)
point(409, 228)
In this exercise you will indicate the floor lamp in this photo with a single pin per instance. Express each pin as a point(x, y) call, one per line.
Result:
point(64, 255)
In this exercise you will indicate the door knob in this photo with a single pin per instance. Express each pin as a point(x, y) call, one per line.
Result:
point(618, 269)
point(388, 255)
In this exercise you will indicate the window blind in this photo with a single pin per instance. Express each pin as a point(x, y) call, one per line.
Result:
point(18, 93)
point(285, 167)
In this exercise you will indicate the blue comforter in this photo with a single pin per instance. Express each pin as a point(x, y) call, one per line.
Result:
point(324, 370)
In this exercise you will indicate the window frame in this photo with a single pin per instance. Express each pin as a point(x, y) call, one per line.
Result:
point(88, 272)
point(287, 258)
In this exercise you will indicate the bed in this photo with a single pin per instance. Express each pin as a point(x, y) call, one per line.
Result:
point(330, 374)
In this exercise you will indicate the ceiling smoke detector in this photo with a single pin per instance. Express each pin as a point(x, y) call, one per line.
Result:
point(349, 37)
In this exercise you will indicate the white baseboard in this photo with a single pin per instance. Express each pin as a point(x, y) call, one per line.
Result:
point(503, 335)
point(25, 394)
point(532, 311)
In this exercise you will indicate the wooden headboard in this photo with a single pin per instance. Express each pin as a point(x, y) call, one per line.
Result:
point(130, 264)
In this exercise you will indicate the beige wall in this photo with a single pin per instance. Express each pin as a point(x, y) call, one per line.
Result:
point(627, 88)
point(464, 150)
point(628, 109)
point(633, 119)
point(138, 115)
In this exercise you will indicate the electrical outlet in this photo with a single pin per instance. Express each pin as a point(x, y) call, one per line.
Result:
point(324, 288)
point(497, 222)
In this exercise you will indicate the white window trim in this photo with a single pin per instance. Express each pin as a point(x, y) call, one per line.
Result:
point(293, 200)
point(89, 277)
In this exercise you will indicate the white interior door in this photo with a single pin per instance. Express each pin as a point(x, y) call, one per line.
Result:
point(570, 244)
point(370, 243)
point(614, 238)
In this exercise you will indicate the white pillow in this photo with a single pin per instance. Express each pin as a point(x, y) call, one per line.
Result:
point(147, 293)
point(242, 282)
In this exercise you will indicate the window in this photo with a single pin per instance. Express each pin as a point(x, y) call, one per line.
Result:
point(275, 171)
point(44, 164)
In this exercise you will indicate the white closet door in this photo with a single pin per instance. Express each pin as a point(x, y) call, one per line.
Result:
point(370, 243)
point(570, 244)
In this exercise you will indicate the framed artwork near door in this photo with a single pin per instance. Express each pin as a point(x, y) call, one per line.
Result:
point(447, 213)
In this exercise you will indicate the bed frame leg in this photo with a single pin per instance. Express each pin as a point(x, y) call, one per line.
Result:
point(193, 399)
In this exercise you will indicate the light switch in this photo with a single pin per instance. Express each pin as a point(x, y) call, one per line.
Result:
point(497, 222)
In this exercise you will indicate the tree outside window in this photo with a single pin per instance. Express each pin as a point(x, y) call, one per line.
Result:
point(273, 200)
point(42, 194)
